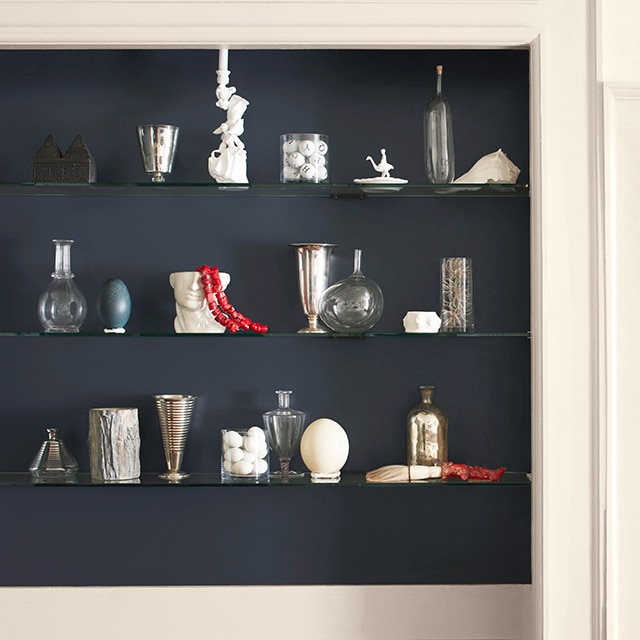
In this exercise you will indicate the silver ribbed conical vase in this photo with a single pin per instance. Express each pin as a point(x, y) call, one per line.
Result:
point(174, 415)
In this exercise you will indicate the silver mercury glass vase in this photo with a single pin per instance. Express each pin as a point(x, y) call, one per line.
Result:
point(174, 415)
point(158, 147)
point(313, 279)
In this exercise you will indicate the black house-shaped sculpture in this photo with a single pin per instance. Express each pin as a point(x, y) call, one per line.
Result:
point(77, 165)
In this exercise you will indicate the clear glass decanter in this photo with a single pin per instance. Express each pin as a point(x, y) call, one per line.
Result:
point(62, 308)
point(284, 428)
point(352, 305)
point(427, 432)
point(439, 156)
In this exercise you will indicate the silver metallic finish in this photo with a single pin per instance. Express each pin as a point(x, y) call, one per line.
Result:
point(158, 146)
point(313, 279)
point(174, 415)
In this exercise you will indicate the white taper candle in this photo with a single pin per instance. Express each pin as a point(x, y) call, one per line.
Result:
point(223, 60)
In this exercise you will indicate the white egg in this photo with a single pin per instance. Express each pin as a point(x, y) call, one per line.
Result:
point(253, 444)
point(233, 439)
point(262, 453)
point(242, 468)
point(322, 147)
point(308, 172)
point(323, 174)
point(290, 146)
point(257, 432)
point(324, 446)
point(296, 159)
point(234, 454)
point(228, 465)
point(260, 467)
point(307, 147)
point(249, 455)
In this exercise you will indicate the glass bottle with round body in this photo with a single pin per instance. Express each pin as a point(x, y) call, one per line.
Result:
point(439, 155)
point(427, 432)
point(352, 305)
point(62, 308)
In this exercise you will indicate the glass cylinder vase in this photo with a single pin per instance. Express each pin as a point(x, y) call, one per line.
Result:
point(439, 155)
point(456, 295)
point(427, 432)
point(62, 308)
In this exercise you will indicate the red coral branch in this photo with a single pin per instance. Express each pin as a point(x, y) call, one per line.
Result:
point(223, 311)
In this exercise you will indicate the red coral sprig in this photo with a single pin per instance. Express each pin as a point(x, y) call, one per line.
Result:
point(223, 311)
point(467, 472)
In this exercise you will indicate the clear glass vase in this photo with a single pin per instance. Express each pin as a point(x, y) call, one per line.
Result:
point(352, 305)
point(456, 295)
point(427, 432)
point(439, 155)
point(284, 428)
point(62, 308)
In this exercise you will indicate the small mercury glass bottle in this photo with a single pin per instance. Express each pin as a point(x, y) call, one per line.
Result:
point(439, 155)
point(62, 308)
point(427, 432)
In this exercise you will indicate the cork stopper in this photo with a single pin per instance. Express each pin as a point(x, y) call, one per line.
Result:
point(439, 69)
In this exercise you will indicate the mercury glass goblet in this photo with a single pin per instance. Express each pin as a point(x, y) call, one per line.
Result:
point(158, 146)
point(284, 428)
point(313, 279)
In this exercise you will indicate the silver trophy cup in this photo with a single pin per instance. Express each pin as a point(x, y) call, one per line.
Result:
point(313, 279)
point(158, 146)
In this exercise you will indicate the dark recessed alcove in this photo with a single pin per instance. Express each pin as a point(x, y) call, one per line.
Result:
point(363, 100)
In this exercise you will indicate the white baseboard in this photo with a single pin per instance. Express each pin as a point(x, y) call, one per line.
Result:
point(422, 612)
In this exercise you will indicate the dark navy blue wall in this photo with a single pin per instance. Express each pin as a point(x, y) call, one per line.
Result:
point(363, 100)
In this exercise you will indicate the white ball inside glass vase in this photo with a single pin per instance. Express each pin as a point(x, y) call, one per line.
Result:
point(324, 448)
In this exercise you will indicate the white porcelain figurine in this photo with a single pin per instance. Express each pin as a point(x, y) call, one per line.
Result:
point(228, 163)
point(384, 169)
point(192, 312)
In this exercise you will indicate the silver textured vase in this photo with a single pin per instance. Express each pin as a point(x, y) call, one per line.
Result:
point(174, 415)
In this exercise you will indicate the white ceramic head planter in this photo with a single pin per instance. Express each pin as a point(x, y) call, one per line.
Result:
point(324, 448)
point(192, 313)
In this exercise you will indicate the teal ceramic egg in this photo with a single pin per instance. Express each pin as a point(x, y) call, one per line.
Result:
point(114, 305)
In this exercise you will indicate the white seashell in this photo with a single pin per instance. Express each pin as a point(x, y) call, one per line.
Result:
point(494, 167)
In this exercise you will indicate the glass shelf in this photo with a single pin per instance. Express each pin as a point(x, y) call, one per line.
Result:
point(335, 190)
point(270, 335)
point(349, 479)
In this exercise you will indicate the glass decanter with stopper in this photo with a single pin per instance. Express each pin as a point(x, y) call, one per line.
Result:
point(62, 308)
point(427, 432)
point(284, 428)
point(439, 155)
point(352, 305)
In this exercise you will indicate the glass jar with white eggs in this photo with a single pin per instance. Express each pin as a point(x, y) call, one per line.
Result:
point(244, 456)
point(304, 157)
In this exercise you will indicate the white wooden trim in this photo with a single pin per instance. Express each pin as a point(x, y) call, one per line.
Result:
point(488, 612)
point(621, 241)
point(564, 342)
